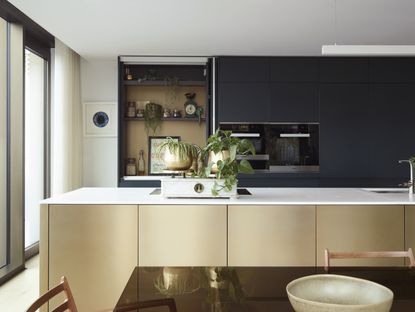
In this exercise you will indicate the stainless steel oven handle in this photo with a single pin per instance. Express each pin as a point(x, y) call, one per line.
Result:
point(246, 135)
point(253, 157)
point(295, 135)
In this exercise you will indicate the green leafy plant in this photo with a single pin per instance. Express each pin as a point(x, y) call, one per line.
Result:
point(152, 116)
point(412, 160)
point(227, 168)
point(183, 149)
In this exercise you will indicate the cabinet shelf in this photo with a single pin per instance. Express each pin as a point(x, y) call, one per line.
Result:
point(163, 83)
point(167, 119)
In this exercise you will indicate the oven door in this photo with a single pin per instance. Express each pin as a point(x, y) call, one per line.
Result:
point(293, 148)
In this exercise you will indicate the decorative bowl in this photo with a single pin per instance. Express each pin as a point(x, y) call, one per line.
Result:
point(337, 293)
point(174, 162)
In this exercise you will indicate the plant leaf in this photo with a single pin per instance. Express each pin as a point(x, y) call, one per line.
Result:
point(232, 152)
point(245, 167)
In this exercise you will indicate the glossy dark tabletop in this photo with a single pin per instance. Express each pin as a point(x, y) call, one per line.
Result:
point(248, 288)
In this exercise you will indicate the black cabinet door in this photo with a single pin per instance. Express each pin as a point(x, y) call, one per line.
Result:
point(247, 69)
point(344, 148)
point(392, 69)
point(294, 69)
point(344, 70)
point(392, 112)
point(294, 102)
point(243, 102)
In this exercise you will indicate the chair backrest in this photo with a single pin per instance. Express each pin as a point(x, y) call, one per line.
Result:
point(67, 305)
point(328, 255)
point(169, 302)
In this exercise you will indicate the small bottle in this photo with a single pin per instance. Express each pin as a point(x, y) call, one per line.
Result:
point(128, 75)
point(131, 168)
point(141, 165)
point(131, 109)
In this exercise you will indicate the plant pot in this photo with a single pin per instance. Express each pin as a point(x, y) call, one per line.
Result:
point(216, 157)
point(175, 163)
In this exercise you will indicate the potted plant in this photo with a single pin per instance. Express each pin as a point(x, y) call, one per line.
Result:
point(152, 116)
point(221, 150)
point(178, 155)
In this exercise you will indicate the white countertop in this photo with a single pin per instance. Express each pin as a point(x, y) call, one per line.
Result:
point(260, 196)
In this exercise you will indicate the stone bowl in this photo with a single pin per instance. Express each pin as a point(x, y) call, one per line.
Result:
point(337, 293)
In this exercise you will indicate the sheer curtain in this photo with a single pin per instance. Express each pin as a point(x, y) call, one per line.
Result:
point(66, 121)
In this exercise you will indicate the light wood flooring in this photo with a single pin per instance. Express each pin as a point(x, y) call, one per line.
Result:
point(17, 294)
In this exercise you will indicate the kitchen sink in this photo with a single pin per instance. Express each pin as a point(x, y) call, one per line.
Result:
point(386, 190)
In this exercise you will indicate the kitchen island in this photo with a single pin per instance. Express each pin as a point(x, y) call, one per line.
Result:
point(97, 236)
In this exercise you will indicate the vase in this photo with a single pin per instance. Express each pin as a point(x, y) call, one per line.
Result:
point(176, 163)
point(214, 158)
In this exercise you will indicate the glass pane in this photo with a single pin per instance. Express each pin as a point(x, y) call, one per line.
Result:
point(34, 143)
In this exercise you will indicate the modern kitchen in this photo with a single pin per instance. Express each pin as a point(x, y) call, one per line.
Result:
point(204, 170)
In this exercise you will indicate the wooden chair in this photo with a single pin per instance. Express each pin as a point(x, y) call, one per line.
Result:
point(170, 303)
point(367, 254)
point(67, 305)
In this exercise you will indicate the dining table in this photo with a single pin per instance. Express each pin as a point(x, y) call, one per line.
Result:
point(228, 289)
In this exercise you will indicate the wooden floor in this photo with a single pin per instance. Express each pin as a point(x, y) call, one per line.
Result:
point(17, 294)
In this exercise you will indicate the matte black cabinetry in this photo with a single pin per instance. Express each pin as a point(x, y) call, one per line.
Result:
point(294, 102)
point(245, 102)
point(344, 141)
point(266, 89)
point(392, 111)
point(243, 69)
point(392, 70)
point(294, 69)
point(344, 70)
point(365, 107)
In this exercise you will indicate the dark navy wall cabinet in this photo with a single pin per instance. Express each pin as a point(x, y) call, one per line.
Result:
point(392, 70)
point(365, 107)
point(245, 102)
point(294, 69)
point(392, 112)
point(344, 70)
point(243, 69)
point(344, 141)
point(294, 102)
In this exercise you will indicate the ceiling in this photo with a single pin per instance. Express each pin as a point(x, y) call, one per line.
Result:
point(107, 28)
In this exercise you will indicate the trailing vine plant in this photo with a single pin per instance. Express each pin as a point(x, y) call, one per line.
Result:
point(229, 167)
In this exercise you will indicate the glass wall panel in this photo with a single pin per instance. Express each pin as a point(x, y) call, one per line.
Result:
point(34, 143)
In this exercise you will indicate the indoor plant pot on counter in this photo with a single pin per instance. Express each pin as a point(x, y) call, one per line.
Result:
point(217, 177)
point(179, 155)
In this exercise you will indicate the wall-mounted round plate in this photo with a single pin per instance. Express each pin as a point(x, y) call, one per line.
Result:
point(100, 119)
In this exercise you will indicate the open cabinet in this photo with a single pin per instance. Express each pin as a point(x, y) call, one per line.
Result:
point(164, 81)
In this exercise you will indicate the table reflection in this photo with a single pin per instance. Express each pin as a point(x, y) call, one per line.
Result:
point(223, 289)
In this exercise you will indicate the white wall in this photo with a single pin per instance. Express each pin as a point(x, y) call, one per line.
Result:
point(99, 83)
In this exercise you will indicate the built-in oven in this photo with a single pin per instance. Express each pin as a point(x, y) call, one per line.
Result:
point(255, 133)
point(293, 147)
point(280, 147)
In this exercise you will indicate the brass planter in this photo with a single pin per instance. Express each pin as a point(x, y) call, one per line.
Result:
point(175, 163)
point(216, 157)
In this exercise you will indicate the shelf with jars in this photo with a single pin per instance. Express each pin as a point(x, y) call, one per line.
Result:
point(160, 100)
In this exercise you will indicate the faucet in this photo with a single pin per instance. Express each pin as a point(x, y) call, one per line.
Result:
point(410, 184)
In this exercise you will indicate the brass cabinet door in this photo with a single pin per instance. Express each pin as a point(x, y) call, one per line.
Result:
point(182, 235)
point(360, 228)
point(271, 235)
point(410, 227)
point(95, 247)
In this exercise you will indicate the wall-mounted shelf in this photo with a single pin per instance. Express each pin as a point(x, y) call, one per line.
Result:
point(167, 119)
point(163, 83)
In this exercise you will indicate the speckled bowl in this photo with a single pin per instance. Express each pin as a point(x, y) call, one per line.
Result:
point(337, 293)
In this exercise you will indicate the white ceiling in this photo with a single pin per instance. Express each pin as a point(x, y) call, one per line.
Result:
point(107, 28)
